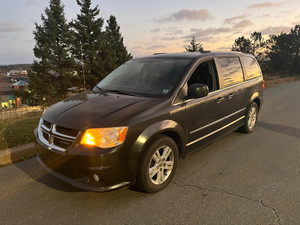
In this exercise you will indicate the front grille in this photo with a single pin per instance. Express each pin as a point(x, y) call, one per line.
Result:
point(66, 131)
point(56, 137)
point(47, 124)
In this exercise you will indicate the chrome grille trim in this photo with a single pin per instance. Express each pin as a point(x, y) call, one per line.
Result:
point(60, 134)
point(54, 137)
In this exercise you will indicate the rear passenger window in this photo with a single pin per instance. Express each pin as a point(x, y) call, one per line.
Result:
point(232, 71)
point(251, 67)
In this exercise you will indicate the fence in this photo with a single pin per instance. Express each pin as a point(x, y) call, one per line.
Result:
point(21, 113)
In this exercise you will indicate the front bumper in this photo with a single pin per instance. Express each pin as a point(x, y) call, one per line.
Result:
point(78, 166)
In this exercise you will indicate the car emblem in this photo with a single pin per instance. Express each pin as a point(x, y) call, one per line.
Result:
point(51, 138)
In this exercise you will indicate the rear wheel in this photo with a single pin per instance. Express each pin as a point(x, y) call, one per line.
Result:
point(251, 118)
point(158, 165)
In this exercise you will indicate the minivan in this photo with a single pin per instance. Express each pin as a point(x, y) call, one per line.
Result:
point(133, 126)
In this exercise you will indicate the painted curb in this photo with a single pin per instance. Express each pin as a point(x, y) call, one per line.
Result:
point(15, 154)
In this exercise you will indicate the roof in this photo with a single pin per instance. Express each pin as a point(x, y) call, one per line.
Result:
point(20, 83)
point(189, 55)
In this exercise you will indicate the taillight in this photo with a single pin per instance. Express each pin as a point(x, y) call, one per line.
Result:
point(263, 84)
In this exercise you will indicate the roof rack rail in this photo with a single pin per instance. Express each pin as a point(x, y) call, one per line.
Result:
point(206, 52)
point(159, 53)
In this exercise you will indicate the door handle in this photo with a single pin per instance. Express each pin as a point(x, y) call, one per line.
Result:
point(220, 99)
point(230, 96)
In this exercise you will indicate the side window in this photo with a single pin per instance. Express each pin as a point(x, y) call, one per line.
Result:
point(251, 67)
point(232, 70)
point(206, 74)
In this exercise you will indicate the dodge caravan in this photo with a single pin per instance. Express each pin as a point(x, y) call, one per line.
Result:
point(132, 128)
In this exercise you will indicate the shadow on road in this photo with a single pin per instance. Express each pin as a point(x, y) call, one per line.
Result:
point(290, 131)
point(38, 173)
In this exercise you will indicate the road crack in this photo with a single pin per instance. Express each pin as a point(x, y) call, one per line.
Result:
point(260, 201)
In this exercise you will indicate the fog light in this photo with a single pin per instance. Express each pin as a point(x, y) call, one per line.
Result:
point(96, 178)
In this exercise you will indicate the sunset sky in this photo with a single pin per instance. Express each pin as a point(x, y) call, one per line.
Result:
point(154, 26)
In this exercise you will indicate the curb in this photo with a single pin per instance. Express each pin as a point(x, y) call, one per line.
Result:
point(15, 154)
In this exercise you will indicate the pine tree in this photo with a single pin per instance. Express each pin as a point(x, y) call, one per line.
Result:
point(116, 53)
point(194, 46)
point(53, 68)
point(88, 44)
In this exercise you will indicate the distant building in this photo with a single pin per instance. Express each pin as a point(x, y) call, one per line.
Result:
point(17, 73)
point(7, 98)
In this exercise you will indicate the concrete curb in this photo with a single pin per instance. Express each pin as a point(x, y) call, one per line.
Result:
point(15, 154)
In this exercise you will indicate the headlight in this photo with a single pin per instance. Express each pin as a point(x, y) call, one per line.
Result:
point(104, 137)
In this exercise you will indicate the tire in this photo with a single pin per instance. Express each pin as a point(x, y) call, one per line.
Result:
point(250, 118)
point(158, 165)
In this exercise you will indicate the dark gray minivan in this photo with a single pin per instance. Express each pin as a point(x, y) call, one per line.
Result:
point(135, 124)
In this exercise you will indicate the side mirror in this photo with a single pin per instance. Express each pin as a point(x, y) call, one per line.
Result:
point(197, 91)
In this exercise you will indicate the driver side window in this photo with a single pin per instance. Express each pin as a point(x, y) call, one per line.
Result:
point(205, 73)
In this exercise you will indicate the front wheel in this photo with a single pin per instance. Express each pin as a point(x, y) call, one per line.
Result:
point(251, 118)
point(158, 165)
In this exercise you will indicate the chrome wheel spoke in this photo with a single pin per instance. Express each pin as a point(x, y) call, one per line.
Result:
point(169, 165)
point(156, 157)
point(153, 171)
point(166, 153)
point(160, 177)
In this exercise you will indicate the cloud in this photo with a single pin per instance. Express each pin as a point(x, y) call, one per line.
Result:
point(231, 20)
point(173, 31)
point(187, 14)
point(264, 5)
point(242, 24)
point(9, 27)
point(170, 38)
point(208, 32)
point(207, 35)
point(155, 30)
point(152, 47)
point(275, 30)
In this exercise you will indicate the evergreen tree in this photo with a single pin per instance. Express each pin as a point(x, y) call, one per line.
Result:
point(53, 68)
point(194, 46)
point(242, 44)
point(254, 45)
point(88, 44)
point(116, 53)
point(285, 50)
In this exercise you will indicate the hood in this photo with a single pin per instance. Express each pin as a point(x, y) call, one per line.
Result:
point(95, 109)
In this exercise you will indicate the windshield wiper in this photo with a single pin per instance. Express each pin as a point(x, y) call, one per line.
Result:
point(122, 92)
point(100, 89)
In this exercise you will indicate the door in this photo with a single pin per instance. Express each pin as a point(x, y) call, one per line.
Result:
point(235, 92)
point(204, 115)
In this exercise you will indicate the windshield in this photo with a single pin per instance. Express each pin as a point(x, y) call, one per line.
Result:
point(145, 77)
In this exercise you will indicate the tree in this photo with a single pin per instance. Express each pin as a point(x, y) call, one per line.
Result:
point(116, 53)
point(295, 33)
point(254, 45)
point(88, 44)
point(194, 46)
point(285, 50)
point(54, 66)
point(242, 44)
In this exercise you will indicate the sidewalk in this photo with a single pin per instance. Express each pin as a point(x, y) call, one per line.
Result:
point(15, 154)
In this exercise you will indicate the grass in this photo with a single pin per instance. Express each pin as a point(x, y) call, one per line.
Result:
point(17, 132)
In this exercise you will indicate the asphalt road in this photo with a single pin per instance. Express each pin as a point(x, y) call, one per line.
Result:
point(240, 179)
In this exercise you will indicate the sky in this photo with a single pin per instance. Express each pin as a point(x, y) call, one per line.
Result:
point(154, 26)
